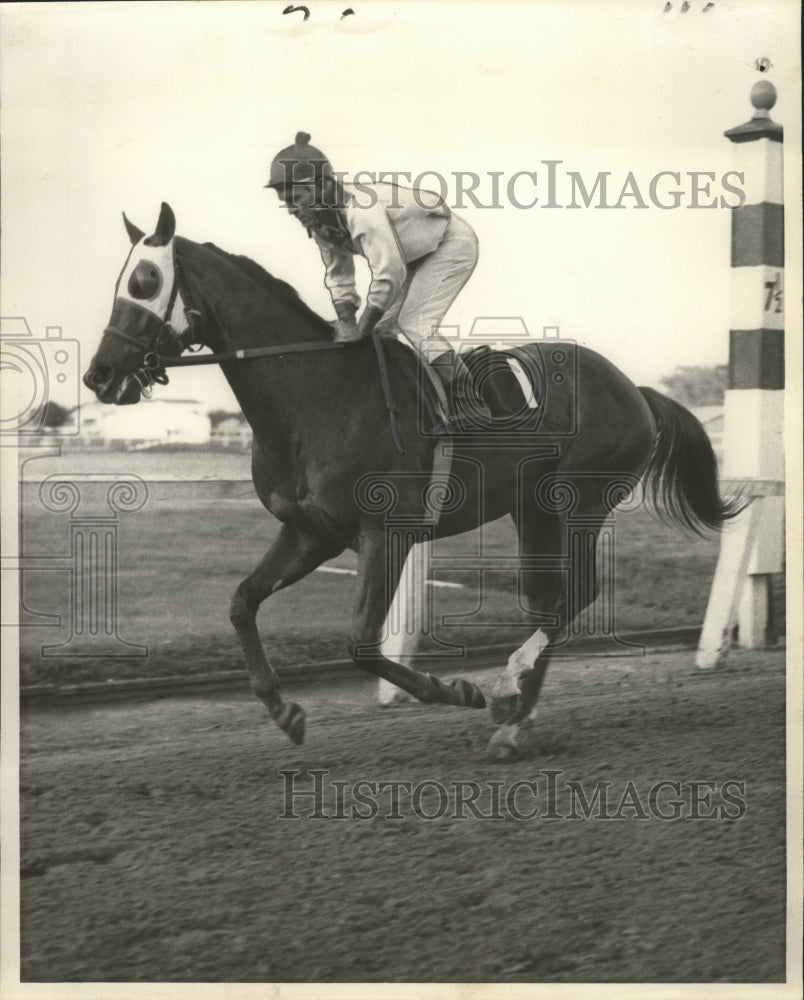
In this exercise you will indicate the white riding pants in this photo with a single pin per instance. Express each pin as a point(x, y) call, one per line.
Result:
point(431, 286)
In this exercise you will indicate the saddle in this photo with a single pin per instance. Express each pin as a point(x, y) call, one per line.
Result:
point(510, 382)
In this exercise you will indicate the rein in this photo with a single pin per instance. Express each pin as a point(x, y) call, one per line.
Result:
point(278, 350)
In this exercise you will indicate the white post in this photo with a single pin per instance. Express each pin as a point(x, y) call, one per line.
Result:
point(753, 447)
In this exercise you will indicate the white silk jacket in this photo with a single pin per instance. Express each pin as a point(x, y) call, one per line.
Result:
point(391, 227)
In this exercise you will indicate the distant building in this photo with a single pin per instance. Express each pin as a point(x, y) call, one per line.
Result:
point(145, 424)
point(232, 432)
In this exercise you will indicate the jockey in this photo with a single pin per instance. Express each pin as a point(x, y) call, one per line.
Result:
point(420, 256)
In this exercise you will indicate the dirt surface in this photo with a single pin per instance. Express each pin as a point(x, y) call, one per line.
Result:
point(153, 848)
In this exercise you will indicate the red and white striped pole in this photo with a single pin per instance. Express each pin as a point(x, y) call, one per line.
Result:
point(753, 449)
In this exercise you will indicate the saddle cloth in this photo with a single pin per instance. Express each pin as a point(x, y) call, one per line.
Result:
point(511, 380)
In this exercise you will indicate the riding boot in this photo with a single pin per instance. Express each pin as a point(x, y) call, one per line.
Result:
point(466, 408)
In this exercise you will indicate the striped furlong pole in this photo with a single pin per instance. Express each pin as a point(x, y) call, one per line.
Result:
point(753, 451)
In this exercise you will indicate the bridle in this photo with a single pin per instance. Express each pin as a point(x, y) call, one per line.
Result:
point(152, 370)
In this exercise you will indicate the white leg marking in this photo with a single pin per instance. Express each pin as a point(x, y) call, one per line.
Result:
point(411, 614)
point(503, 742)
point(519, 662)
point(408, 618)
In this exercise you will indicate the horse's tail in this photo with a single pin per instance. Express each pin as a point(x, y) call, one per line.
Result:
point(681, 477)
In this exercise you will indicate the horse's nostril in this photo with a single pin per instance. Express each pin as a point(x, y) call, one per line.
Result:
point(97, 376)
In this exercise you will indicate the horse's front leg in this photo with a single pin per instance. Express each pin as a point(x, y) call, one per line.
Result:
point(293, 555)
point(379, 570)
point(408, 618)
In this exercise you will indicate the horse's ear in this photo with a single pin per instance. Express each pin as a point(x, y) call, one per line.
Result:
point(134, 234)
point(165, 228)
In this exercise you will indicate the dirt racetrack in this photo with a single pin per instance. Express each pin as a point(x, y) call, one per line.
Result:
point(152, 848)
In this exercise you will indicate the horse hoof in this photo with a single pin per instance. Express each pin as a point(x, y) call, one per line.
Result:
point(291, 721)
point(503, 707)
point(468, 695)
point(502, 746)
point(398, 697)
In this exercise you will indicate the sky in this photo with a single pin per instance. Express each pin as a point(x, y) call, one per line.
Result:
point(116, 107)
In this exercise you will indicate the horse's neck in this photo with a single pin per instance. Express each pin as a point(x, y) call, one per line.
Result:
point(238, 308)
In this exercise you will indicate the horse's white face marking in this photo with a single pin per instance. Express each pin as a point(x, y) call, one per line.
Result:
point(519, 662)
point(147, 281)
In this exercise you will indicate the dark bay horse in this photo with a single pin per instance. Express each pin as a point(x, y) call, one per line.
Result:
point(325, 465)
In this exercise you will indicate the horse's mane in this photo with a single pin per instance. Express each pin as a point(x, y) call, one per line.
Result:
point(278, 288)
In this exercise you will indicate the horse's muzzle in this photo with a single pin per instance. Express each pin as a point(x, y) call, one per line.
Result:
point(97, 378)
point(110, 388)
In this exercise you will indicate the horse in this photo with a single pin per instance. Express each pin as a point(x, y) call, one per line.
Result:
point(326, 465)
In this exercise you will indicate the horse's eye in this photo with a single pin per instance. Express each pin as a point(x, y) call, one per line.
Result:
point(145, 281)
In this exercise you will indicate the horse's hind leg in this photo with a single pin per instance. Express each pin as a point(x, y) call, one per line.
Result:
point(292, 556)
point(558, 594)
point(378, 578)
point(542, 589)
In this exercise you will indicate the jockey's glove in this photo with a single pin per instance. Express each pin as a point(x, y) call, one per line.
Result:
point(346, 325)
point(346, 331)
